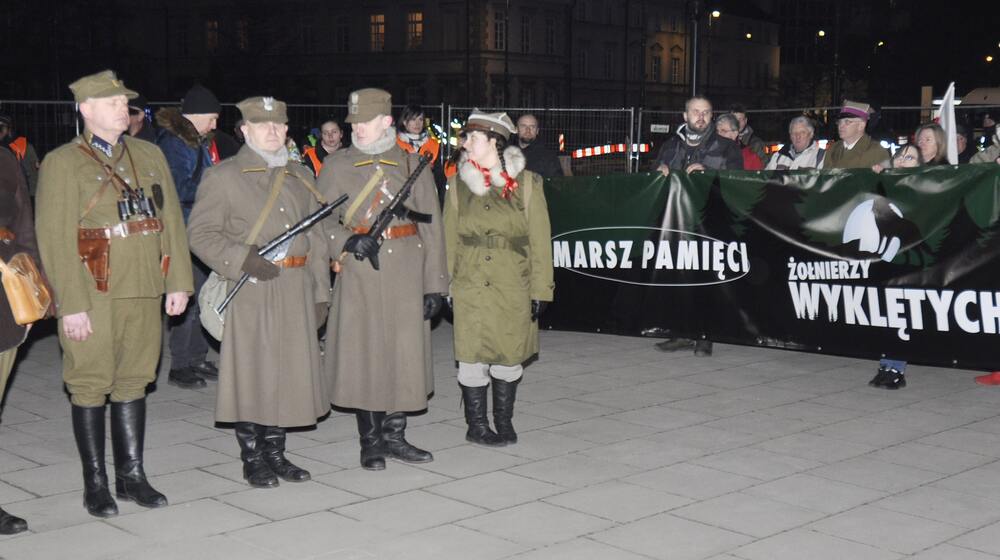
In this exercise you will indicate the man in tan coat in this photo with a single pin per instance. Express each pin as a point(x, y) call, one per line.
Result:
point(270, 376)
point(111, 237)
point(378, 349)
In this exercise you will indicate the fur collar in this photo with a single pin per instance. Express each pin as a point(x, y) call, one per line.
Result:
point(380, 146)
point(474, 179)
point(171, 120)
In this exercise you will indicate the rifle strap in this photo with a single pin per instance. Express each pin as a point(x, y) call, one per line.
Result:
point(308, 185)
point(279, 180)
point(365, 191)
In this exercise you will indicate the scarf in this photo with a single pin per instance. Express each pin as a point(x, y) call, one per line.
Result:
point(277, 158)
point(509, 183)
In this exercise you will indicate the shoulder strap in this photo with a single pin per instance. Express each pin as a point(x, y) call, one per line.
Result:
point(365, 191)
point(316, 194)
point(819, 155)
point(279, 180)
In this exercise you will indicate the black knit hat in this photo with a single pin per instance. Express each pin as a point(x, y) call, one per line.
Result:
point(200, 101)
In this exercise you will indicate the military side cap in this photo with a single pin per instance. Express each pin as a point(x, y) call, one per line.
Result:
point(101, 84)
point(855, 110)
point(366, 104)
point(499, 123)
point(263, 109)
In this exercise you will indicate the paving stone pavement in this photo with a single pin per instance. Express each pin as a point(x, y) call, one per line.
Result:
point(625, 453)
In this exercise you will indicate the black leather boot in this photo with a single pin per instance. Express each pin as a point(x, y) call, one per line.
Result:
point(128, 433)
point(504, 393)
point(11, 524)
point(372, 445)
point(394, 432)
point(88, 429)
point(256, 471)
point(274, 454)
point(475, 416)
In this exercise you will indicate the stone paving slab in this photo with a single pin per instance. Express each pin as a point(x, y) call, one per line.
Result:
point(625, 453)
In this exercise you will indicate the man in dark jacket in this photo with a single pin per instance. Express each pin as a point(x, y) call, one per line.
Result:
point(185, 137)
point(541, 160)
point(138, 125)
point(696, 147)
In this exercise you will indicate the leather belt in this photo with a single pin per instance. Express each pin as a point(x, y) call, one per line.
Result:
point(395, 232)
point(123, 229)
point(495, 242)
point(291, 262)
point(7, 236)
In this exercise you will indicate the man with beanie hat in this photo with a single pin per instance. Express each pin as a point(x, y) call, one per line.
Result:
point(378, 339)
point(112, 242)
point(270, 375)
point(185, 136)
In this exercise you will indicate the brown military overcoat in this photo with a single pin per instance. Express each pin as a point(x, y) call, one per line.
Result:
point(378, 344)
point(270, 371)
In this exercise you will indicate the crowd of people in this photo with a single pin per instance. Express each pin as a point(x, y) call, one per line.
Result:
point(132, 218)
point(725, 142)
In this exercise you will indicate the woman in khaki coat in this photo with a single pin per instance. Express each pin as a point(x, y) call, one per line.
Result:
point(270, 375)
point(499, 250)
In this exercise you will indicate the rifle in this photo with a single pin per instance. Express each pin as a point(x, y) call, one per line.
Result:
point(277, 248)
point(395, 209)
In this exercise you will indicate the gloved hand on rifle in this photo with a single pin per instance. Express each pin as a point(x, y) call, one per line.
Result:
point(258, 267)
point(362, 246)
point(432, 304)
point(537, 308)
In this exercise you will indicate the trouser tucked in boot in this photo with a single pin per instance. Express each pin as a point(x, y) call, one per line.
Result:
point(396, 446)
point(504, 393)
point(372, 445)
point(88, 429)
point(128, 430)
point(256, 471)
point(475, 416)
point(274, 454)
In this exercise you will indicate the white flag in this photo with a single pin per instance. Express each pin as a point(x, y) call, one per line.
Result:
point(947, 121)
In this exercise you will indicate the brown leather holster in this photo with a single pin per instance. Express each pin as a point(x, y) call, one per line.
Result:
point(95, 252)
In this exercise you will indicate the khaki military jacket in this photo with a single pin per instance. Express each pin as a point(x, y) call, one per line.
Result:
point(68, 180)
point(865, 153)
point(378, 345)
point(499, 259)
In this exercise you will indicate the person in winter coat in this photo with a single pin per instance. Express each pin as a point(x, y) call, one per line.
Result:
point(746, 137)
point(498, 240)
point(185, 137)
point(855, 149)
point(17, 235)
point(802, 152)
point(726, 126)
point(992, 153)
point(378, 353)
point(694, 148)
point(270, 375)
point(331, 139)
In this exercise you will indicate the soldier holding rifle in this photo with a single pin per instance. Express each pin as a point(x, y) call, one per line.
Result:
point(270, 376)
point(378, 349)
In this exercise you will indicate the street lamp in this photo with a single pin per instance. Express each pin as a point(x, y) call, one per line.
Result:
point(697, 12)
point(989, 58)
point(749, 36)
point(821, 33)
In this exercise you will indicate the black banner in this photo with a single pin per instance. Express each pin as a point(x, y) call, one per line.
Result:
point(902, 263)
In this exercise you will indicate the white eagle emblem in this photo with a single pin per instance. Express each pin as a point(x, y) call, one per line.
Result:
point(268, 103)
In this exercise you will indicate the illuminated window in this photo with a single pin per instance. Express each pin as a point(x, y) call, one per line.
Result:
point(414, 30)
point(376, 30)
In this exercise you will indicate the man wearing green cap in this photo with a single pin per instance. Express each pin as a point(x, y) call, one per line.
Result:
point(378, 334)
point(108, 200)
point(270, 375)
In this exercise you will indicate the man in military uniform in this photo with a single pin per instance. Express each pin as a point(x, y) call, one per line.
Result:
point(378, 334)
point(270, 376)
point(111, 237)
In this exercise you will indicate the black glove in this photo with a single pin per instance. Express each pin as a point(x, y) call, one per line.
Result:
point(322, 310)
point(363, 247)
point(432, 304)
point(537, 308)
point(259, 267)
